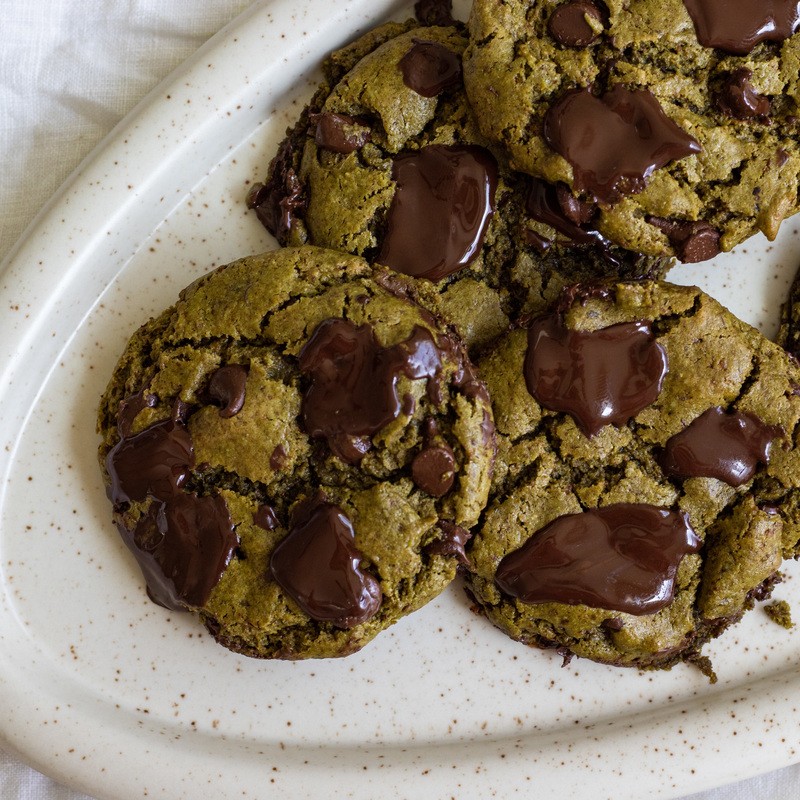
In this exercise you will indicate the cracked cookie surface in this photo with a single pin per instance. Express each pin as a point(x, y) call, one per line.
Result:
point(388, 160)
point(295, 450)
point(724, 384)
point(738, 105)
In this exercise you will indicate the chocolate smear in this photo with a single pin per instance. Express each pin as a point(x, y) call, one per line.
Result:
point(738, 99)
point(614, 142)
point(568, 25)
point(353, 390)
point(441, 208)
point(227, 387)
point(318, 565)
point(692, 240)
point(339, 133)
point(622, 557)
point(737, 27)
point(183, 546)
point(600, 377)
point(429, 67)
point(152, 463)
point(728, 446)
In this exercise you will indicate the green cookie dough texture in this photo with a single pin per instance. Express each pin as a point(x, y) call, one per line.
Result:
point(344, 199)
point(258, 312)
point(547, 468)
point(744, 180)
point(789, 332)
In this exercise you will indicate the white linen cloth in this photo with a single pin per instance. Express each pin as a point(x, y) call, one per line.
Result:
point(69, 71)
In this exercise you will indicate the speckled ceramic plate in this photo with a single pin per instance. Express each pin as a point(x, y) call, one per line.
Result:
point(113, 695)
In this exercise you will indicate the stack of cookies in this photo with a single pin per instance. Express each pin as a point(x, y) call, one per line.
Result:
point(465, 359)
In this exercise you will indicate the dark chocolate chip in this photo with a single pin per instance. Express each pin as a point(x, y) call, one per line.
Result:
point(227, 387)
point(738, 99)
point(266, 518)
point(429, 67)
point(435, 12)
point(339, 133)
point(451, 543)
point(433, 469)
point(568, 25)
point(280, 202)
point(692, 240)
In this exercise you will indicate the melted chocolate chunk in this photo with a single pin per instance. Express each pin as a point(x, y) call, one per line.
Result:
point(339, 133)
point(353, 392)
point(183, 546)
point(227, 387)
point(318, 565)
point(279, 203)
point(599, 378)
point(693, 241)
point(130, 407)
point(571, 217)
point(152, 463)
point(429, 67)
point(737, 27)
point(568, 25)
point(451, 543)
point(727, 446)
point(614, 142)
point(622, 557)
point(738, 98)
point(440, 210)
point(435, 12)
point(266, 518)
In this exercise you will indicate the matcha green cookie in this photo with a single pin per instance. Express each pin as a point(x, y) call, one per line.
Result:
point(296, 451)
point(789, 332)
point(676, 118)
point(648, 477)
point(387, 162)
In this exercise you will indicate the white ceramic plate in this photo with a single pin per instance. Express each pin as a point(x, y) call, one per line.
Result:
point(109, 693)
